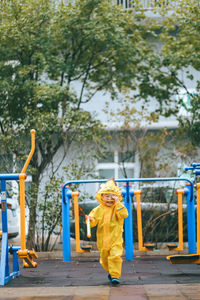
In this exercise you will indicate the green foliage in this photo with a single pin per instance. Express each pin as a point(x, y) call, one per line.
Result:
point(180, 63)
point(46, 48)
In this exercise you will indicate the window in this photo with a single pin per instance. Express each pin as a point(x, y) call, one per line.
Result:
point(106, 173)
point(107, 157)
point(128, 156)
point(125, 3)
point(117, 164)
point(126, 173)
point(144, 4)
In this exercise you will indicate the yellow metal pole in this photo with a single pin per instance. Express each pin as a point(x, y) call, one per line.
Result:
point(31, 152)
point(22, 178)
point(180, 219)
point(139, 220)
point(198, 218)
point(76, 216)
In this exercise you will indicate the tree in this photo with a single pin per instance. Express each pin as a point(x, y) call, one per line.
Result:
point(157, 149)
point(180, 64)
point(45, 49)
point(160, 153)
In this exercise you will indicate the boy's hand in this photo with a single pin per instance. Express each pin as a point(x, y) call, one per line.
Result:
point(88, 218)
point(115, 197)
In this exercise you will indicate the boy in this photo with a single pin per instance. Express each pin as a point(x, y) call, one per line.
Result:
point(109, 217)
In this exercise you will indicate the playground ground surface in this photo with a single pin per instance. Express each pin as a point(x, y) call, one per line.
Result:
point(147, 277)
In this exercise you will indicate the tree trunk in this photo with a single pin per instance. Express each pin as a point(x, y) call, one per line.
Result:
point(33, 212)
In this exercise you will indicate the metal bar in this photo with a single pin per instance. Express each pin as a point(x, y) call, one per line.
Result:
point(4, 267)
point(180, 219)
point(198, 218)
point(16, 269)
point(22, 213)
point(196, 165)
point(190, 219)
point(130, 180)
point(128, 222)
point(139, 221)
point(9, 176)
point(66, 194)
point(76, 216)
point(31, 152)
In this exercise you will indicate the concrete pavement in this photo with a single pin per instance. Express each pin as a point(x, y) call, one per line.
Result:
point(123, 292)
point(145, 278)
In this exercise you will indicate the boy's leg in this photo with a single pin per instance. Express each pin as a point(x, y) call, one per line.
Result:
point(115, 261)
point(104, 259)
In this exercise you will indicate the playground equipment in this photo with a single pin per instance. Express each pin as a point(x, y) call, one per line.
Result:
point(83, 248)
point(128, 194)
point(150, 247)
point(196, 169)
point(5, 275)
point(180, 223)
point(191, 258)
point(145, 247)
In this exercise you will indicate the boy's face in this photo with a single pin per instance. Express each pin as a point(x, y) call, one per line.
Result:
point(109, 199)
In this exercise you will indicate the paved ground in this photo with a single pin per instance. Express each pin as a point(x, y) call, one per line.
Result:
point(145, 278)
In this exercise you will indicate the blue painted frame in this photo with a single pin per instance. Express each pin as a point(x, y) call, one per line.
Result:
point(128, 195)
point(5, 275)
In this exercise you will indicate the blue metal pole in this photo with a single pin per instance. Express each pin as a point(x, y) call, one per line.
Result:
point(129, 224)
point(189, 192)
point(66, 194)
point(9, 176)
point(16, 269)
point(131, 180)
point(127, 227)
point(4, 268)
point(195, 165)
point(124, 194)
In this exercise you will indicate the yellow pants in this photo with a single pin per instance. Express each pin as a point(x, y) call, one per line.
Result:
point(111, 260)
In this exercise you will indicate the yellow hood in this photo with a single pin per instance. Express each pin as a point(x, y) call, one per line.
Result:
point(110, 187)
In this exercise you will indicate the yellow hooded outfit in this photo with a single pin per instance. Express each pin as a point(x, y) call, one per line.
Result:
point(109, 221)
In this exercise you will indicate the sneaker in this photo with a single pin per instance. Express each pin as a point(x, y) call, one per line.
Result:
point(109, 277)
point(115, 281)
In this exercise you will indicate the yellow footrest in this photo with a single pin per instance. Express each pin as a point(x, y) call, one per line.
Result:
point(172, 246)
point(27, 256)
point(149, 246)
point(184, 259)
point(86, 248)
